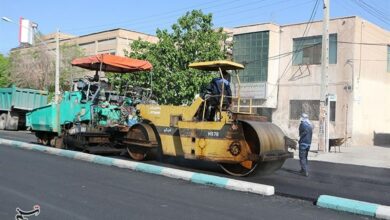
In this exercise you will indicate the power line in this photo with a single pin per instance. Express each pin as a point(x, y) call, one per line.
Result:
point(364, 43)
point(377, 13)
point(283, 55)
point(307, 28)
point(152, 16)
point(251, 7)
point(168, 15)
point(162, 22)
point(281, 9)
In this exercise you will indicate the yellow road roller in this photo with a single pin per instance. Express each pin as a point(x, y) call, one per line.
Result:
point(228, 134)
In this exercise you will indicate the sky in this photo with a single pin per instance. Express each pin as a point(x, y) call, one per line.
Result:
point(79, 17)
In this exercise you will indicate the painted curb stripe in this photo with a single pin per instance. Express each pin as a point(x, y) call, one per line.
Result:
point(149, 168)
point(84, 157)
point(250, 187)
point(209, 180)
point(177, 174)
point(67, 153)
point(347, 205)
point(125, 164)
point(383, 212)
point(103, 160)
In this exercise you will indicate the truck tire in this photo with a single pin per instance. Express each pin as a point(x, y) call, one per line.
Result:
point(12, 121)
point(3, 120)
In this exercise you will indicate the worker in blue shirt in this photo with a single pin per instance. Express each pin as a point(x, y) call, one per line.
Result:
point(226, 87)
point(305, 137)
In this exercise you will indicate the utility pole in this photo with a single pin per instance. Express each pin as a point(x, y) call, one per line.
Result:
point(324, 114)
point(57, 77)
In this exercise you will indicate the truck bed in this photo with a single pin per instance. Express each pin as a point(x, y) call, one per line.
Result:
point(22, 99)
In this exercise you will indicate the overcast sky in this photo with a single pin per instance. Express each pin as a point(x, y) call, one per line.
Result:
point(83, 17)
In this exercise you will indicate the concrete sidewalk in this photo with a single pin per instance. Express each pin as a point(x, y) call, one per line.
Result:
point(371, 156)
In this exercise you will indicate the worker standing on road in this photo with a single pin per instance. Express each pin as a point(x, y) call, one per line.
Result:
point(305, 136)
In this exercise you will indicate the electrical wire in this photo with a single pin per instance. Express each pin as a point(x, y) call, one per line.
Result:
point(224, 12)
point(170, 15)
point(373, 11)
point(307, 28)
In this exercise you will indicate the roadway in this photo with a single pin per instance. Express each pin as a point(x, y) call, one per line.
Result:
point(350, 181)
point(72, 189)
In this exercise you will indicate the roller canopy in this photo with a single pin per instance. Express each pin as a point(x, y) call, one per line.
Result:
point(215, 65)
point(112, 63)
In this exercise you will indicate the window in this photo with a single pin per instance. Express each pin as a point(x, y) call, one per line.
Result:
point(310, 107)
point(388, 58)
point(307, 50)
point(251, 49)
point(332, 109)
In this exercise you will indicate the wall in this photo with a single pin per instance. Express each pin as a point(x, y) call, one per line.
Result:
point(372, 91)
point(302, 82)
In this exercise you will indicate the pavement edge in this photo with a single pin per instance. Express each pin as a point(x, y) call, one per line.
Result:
point(194, 177)
point(354, 206)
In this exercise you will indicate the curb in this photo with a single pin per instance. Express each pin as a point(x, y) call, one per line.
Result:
point(194, 177)
point(354, 206)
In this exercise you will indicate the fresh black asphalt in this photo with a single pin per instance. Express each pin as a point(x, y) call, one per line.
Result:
point(71, 189)
point(350, 181)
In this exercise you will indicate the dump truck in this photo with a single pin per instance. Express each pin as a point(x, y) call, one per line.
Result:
point(15, 103)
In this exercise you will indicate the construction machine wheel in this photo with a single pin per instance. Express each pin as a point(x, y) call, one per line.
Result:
point(261, 137)
point(247, 167)
point(238, 169)
point(45, 141)
point(3, 120)
point(57, 142)
point(12, 121)
point(138, 156)
point(140, 139)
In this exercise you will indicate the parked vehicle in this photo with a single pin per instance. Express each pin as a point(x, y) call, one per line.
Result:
point(15, 103)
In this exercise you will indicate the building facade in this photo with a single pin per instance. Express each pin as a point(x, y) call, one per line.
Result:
point(283, 75)
point(113, 41)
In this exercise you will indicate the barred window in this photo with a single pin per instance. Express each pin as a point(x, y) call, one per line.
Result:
point(310, 107)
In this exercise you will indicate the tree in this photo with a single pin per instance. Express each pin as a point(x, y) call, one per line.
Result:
point(192, 39)
point(34, 67)
point(4, 71)
point(68, 73)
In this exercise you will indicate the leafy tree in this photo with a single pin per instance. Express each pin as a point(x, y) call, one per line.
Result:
point(4, 71)
point(191, 39)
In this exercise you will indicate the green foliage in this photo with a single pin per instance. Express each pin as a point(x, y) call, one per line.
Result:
point(191, 39)
point(4, 71)
point(69, 52)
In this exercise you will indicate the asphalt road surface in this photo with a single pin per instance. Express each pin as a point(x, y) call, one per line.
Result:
point(73, 189)
point(349, 181)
